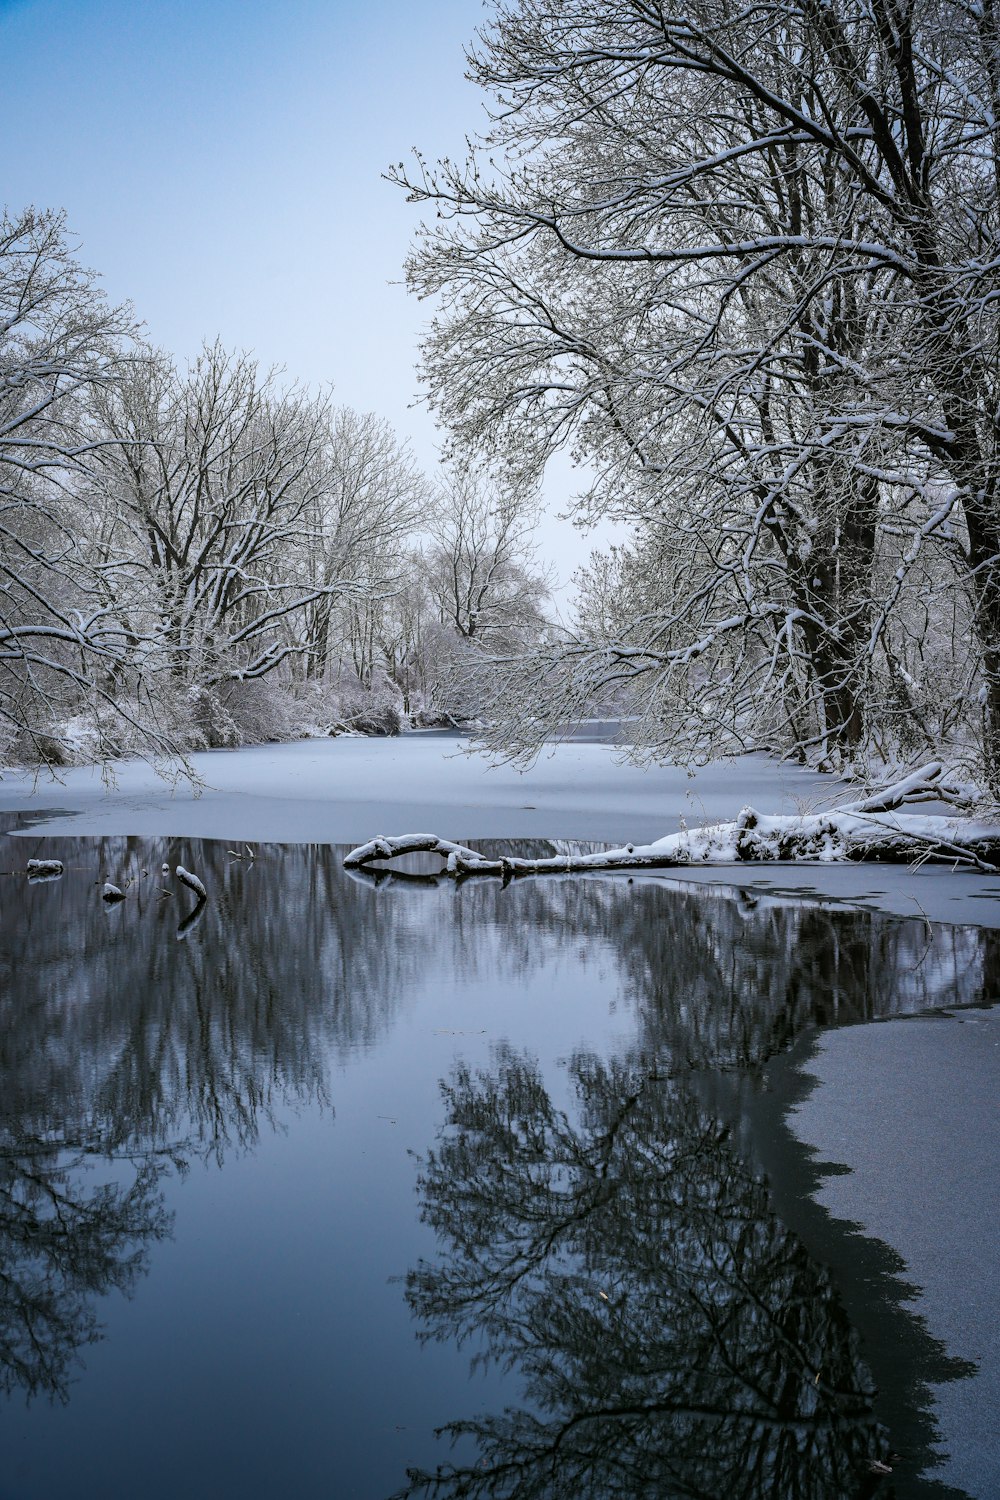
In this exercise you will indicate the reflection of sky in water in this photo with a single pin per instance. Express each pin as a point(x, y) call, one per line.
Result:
point(258, 1089)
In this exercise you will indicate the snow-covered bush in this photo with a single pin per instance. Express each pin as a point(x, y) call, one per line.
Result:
point(375, 709)
point(262, 711)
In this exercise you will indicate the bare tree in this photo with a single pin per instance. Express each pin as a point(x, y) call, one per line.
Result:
point(481, 561)
point(360, 525)
point(60, 342)
point(740, 262)
point(486, 586)
point(209, 478)
point(406, 635)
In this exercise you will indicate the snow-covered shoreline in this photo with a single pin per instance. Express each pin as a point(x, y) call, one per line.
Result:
point(914, 1165)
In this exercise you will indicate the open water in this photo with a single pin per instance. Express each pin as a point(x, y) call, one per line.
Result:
point(351, 1187)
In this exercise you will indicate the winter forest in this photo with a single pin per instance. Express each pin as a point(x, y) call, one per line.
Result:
point(213, 556)
point(740, 263)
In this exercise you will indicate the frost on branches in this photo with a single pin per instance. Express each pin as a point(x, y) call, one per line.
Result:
point(211, 555)
point(743, 264)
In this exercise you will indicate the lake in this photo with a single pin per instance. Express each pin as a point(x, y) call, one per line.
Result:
point(293, 1181)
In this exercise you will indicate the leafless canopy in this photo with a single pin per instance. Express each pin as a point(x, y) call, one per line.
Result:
point(743, 262)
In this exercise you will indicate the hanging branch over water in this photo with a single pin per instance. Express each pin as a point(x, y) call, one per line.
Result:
point(869, 830)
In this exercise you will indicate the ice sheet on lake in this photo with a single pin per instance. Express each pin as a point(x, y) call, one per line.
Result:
point(911, 1108)
point(346, 790)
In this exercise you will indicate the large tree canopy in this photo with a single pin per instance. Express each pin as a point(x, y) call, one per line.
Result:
point(744, 263)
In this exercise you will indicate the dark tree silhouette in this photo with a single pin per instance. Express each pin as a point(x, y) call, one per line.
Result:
point(672, 1337)
point(65, 1241)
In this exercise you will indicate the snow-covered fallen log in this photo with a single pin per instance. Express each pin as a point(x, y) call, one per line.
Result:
point(829, 837)
point(409, 843)
point(44, 869)
point(873, 829)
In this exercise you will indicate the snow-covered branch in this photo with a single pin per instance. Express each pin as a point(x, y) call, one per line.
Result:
point(768, 322)
point(752, 838)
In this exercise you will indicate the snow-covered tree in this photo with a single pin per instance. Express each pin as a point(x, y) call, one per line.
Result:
point(481, 560)
point(486, 587)
point(60, 341)
point(360, 525)
point(206, 555)
point(741, 262)
point(207, 480)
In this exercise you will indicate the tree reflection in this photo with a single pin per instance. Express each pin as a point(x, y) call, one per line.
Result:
point(723, 977)
point(66, 1240)
point(111, 1027)
point(716, 1350)
point(123, 1054)
point(672, 1338)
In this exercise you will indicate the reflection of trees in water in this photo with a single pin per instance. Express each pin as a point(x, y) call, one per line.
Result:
point(124, 1051)
point(65, 1240)
point(726, 983)
point(672, 1337)
point(108, 1020)
point(105, 1017)
point(721, 977)
point(721, 1360)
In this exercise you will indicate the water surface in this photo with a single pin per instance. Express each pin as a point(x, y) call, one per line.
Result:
point(291, 1180)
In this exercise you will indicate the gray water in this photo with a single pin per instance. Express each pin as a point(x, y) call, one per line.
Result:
point(294, 1179)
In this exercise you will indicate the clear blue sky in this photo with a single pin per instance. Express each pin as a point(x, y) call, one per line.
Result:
point(221, 160)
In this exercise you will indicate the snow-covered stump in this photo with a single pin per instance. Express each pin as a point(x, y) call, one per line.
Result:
point(112, 894)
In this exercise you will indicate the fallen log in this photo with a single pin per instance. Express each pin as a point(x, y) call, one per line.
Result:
point(409, 843)
point(814, 838)
point(929, 783)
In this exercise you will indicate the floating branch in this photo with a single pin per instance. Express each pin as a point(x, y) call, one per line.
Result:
point(192, 882)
